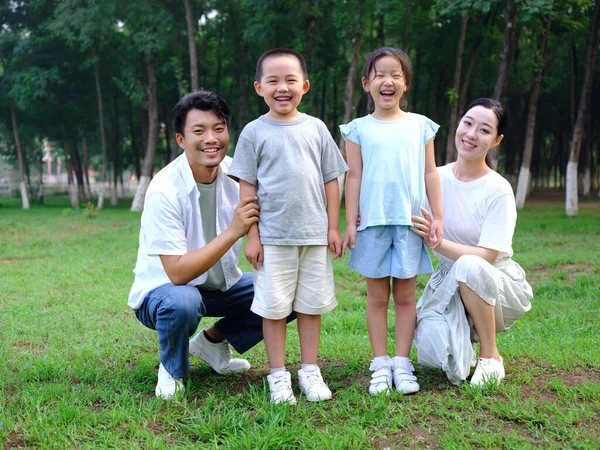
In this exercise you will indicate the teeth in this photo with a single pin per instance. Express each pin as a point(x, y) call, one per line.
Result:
point(466, 144)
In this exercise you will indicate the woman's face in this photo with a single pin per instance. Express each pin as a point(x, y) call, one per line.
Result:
point(476, 133)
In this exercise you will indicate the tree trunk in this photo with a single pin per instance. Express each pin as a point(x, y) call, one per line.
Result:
point(350, 82)
point(72, 186)
point(102, 132)
point(407, 15)
point(572, 201)
point(191, 33)
point(587, 158)
point(450, 147)
point(510, 17)
point(140, 193)
point(462, 101)
point(524, 173)
point(135, 153)
point(86, 166)
point(115, 153)
point(22, 184)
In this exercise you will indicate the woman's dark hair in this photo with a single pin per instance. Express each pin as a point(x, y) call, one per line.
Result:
point(404, 61)
point(501, 117)
point(204, 101)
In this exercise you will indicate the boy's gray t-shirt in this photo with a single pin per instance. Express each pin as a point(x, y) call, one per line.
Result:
point(289, 162)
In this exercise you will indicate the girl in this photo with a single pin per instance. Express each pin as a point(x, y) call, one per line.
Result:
point(391, 168)
point(476, 272)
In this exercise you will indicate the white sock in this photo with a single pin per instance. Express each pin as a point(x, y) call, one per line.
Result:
point(309, 367)
point(277, 370)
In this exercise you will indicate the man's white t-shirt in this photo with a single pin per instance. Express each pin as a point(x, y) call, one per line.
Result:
point(172, 225)
point(479, 213)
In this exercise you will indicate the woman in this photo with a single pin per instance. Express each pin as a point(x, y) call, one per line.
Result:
point(477, 290)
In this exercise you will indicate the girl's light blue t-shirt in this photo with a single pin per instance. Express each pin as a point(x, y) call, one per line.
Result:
point(393, 177)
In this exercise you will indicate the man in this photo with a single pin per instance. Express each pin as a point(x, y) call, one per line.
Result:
point(189, 245)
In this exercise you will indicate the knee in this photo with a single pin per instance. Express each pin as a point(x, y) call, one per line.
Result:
point(469, 268)
point(183, 303)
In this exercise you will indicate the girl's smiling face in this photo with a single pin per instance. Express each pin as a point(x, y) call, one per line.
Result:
point(477, 133)
point(386, 84)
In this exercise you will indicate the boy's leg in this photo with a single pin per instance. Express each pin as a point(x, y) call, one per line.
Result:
point(275, 333)
point(378, 295)
point(174, 312)
point(406, 313)
point(309, 332)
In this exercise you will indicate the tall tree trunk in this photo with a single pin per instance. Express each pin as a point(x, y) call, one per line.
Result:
point(407, 15)
point(450, 147)
point(171, 146)
point(510, 17)
point(572, 201)
point(524, 173)
point(350, 83)
point(86, 166)
point(587, 158)
point(573, 69)
point(102, 131)
point(115, 152)
point(191, 33)
point(20, 156)
point(135, 153)
point(140, 193)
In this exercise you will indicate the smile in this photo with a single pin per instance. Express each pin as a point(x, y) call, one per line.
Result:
point(283, 99)
point(210, 150)
point(468, 145)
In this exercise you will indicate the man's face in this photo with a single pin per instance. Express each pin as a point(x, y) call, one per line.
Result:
point(205, 140)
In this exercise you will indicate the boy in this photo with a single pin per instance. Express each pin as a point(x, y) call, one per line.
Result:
point(290, 161)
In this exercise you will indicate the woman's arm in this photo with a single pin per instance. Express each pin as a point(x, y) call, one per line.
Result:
point(451, 250)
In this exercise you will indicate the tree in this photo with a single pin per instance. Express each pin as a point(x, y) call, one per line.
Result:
point(572, 201)
point(189, 21)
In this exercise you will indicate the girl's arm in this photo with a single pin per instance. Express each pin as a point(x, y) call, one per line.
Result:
point(254, 250)
point(332, 196)
point(451, 250)
point(353, 180)
point(434, 196)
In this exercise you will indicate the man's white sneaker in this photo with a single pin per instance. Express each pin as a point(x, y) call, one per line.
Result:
point(488, 370)
point(381, 379)
point(217, 356)
point(404, 380)
point(280, 384)
point(167, 386)
point(312, 384)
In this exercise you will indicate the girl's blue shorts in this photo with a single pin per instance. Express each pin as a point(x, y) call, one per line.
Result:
point(389, 251)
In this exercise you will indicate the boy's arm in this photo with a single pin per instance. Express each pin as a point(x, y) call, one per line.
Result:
point(332, 196)
point(181, 269)
point(434, 195)
point(254, 250)
point(353, 181)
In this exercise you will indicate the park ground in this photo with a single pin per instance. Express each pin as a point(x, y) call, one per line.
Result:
point(78, 371)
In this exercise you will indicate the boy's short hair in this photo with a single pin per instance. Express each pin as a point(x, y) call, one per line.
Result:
point(204, 101)
point(280, 52)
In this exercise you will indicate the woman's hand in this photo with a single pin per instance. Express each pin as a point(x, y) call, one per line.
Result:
point(424, 227)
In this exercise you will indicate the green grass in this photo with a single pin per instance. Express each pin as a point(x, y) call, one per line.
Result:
point(78, 370)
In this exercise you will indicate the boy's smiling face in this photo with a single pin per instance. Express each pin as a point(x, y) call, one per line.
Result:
point(282, 85)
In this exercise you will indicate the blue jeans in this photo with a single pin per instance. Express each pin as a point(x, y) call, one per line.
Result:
point(176, 311)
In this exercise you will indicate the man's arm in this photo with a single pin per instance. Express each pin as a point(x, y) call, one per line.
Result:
point(181, 269)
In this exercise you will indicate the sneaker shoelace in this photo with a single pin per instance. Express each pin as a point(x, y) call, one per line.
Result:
point(314, 379)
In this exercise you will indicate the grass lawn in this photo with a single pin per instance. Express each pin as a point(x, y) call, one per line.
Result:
point(78, 370)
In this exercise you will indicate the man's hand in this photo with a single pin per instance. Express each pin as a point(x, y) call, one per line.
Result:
point(335, 243)
point(246, 215)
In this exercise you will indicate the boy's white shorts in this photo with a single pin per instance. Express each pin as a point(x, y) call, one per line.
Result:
point(294, 278)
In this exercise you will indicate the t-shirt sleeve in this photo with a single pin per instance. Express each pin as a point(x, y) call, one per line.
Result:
point(349, 131)
point(431, 129)
point(162, 226)
point(245, 161)
point(499, 225)
point(332, 162)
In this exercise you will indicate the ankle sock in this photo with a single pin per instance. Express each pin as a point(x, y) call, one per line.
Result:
point(277, 369)
point(211, 340)
point(309, 367)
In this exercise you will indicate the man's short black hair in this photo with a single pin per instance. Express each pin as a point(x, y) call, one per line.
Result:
point(280, 52)
point(204, 101)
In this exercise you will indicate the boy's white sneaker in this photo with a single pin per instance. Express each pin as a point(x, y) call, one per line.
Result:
point(381, 378)
point(488, 370)
point(312, 384)
point(167, 386)
point(217, 356)
point(404, 380)
point(280, 385)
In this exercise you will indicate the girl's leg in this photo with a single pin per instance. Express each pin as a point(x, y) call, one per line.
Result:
point(406, 313)
point(378, 297)
point(274, 335)
point(309, 332)
point(484, 319)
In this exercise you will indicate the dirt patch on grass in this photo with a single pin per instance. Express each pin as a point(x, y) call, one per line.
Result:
point(10, 260)
point(413, 437)
point(14, 441)
point(538, 274)
point(26, 346)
